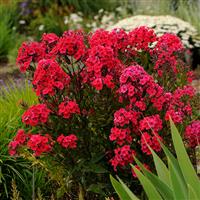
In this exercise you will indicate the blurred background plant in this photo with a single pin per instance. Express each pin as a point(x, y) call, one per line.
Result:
point(7, 30)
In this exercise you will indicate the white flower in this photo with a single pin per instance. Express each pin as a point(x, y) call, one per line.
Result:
point(66, 20)
point(88, 25)
point(41, 27)
point(96, 17)
point(106, 18)
point(94, 24)
point(75, 18)
point(119, 9)
point(101, 10)
point(22, 22)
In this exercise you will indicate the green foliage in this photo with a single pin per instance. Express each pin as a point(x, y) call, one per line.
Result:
point(8, 17)
point(85, 6)
point(5, 40)
point(177, 181)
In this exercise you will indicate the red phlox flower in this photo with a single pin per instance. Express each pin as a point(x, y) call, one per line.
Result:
point(19, 140)
point(103, 64)
point(72, 44)
point(179, 105)
point(121, 39)
point(30, 52)
point(169, 42)
point(152, 122)
point(36, 114)
point(121, 136)
point(97, 84)
point(66, 109)
point(152, 141)
point(40, 144)
point(102, 37)
point(192, 134)
point(123, 156)
point(135, 84)
point(69, 141)
point(48, 77)
point(167, 47)
point(141, 38)
point(190, 76)
point(116, 39)
point(121, 117)
point(50, 38)
point(176, 116)
point(108, 81)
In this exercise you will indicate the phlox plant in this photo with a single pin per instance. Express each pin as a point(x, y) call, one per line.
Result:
point(102, 97)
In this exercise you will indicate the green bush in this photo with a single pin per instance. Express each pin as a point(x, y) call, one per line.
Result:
point(178, 180)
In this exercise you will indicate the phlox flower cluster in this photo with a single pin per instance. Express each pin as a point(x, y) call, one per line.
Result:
point(66, 109)
point(49, 77)
point(141, 38)
point(40, 144)
point(192, 134)
point(107, 89)
point(37, 114)
point(67, 141)
point(123, 156)
point(30, 52)
point(166, 50)
point(20, 139)
point(71, 43)
point(37, 143)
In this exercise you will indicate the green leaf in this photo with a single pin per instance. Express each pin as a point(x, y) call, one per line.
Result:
point(179, 190)
point(149, 188)
point(185, 164)
point(95, 168)
point(97, 157)
point(174, 162)
point(121, 191)
point(97, 188)
point(164, 189)
point(128, 191)
point(192, 194)
point(162, 171)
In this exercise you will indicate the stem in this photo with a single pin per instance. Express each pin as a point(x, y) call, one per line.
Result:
point(33, 184)
point(81, 193)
